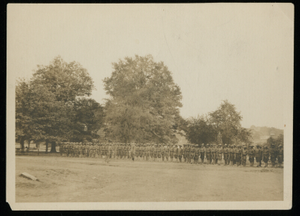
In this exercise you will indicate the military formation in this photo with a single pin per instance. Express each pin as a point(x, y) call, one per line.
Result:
point(235, 155)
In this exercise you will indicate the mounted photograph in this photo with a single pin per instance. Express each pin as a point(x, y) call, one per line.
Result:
point(150, 106)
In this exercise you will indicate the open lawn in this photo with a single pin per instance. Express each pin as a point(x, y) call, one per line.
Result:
point(66, 179)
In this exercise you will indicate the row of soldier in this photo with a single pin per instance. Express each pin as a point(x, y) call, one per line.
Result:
point(210, 153)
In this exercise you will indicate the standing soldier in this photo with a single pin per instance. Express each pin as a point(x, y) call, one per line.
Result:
point(202, 152)
point(225, 154)
point(158, 151)
point(128, 151)
point(132, 151)
point(239, 153)
point(180, 153)
point(244, 155)
point(213, 153)
point(231, 154)
point(188, 153)
point(172, 149)
point(251, 154)
point(219, 156)
point(176, 152)
point(152, 151)
point(110, 150)
point(144, 151)
point(192, 154)
point(258, 155)
point(280, 156)
point(147, 152)
point(196, 155)
point(183, 152)
point(167, 152)
point(265, 155)
point(234, 150)
point(273, 154)
point(137, 151)
point(162, 152)
point(208, 154)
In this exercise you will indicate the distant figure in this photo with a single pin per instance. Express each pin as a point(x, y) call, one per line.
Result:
point(132, 150)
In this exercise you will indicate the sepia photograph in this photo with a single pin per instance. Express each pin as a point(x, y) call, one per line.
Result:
point(150, 106)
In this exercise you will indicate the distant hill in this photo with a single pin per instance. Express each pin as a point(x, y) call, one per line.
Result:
point(261, 134)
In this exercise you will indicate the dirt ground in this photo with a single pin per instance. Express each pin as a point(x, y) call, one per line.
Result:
point(65, 179)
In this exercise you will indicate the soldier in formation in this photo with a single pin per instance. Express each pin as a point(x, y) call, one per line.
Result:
point(188, 153)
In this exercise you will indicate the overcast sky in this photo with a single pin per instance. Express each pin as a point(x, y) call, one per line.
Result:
point(239, 52)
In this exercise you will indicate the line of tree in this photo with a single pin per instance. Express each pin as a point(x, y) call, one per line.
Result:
point(142, 106)
point(222, 126)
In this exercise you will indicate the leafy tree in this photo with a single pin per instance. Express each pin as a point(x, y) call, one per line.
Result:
point(279, 140)
point(143, 102)
point(23, 120)
point(200, 131)
point(226, 120)
point(51, 107)
point(275, 140)
point(88, 114)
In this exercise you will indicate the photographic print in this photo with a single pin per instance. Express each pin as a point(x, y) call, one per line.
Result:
point(150, 106)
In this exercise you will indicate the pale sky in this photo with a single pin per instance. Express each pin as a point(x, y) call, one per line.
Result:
point(239, 52)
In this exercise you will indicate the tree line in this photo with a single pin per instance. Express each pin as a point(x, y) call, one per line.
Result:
point(142, 106)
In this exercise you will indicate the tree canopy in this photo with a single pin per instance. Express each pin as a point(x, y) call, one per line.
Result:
point(54, 105)
point(222, 126)
point(144, 101)
point(200, 131)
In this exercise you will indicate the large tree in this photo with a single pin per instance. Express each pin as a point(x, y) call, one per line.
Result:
point(227, 121)
point(144, 101)
point(55, 103)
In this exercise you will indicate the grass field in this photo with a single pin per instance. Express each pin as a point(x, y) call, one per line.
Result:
point(65, 179)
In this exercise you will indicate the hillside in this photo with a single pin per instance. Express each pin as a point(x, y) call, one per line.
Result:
point(261, 134)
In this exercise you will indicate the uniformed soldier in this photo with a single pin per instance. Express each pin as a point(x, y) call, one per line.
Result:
point(184, 153)
point(110, 150)
point(208, 154)
point(234, 151)
point(176, 152)
point(258, 155)
point(196, 154)
point(158, 152)
point(220, 154)
point(244, 155)
point(202, 152)
point(154, 155)
point(251, 154)
point(172, 149)
point(273, 154)
point(192, 154)
point(265, 155)
point(151, 146)
point(132, 151)
point(225, 152)
point(280, 156)
point(213, 153)
point(239, 153)
point(180, 153)
point(167, 152)
point(188, 153)
point(231, 152)
point(128, 151)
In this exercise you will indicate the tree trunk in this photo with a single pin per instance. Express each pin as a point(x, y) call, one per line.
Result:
point(47, 146)
point(22, 144)
point(53, 147)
